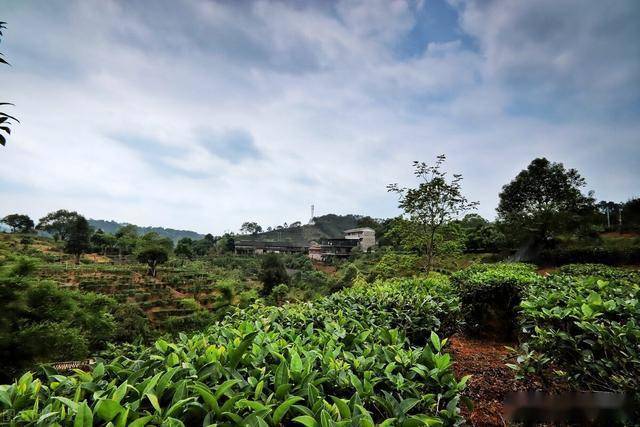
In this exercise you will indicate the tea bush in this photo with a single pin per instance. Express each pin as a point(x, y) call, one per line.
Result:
point(587, 328)
point(334, 362)
point(595, 254)
point(599, 270)
point(490, 295)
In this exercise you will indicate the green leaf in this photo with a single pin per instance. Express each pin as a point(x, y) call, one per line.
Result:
point(210, 400)
point(325, 419)
point(343, 408)
point(154, 402)
point(236, 354)
point(84, 416)
point(283, 408)
point(141, 422)
point(120, 392)
point(70, 403)
point(107, 409)
point(224, 387)
point(586, 310)
point(306, 420)
point(296, 363)
point(179, 404)
point(435, 340)
point(282, 375)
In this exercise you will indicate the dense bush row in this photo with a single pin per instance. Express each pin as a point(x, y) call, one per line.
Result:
point(586, 327)
point(602, 255)
point(335, 362)
point(490, 295)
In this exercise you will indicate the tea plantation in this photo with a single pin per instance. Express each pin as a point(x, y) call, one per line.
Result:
point(372, 354)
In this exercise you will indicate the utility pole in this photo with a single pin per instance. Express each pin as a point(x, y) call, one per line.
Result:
point(620, 218)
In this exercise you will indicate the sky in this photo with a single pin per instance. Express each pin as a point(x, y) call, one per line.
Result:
point(201, 115)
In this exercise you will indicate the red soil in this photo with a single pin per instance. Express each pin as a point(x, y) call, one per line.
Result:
point(490, 382)
point(491, 379)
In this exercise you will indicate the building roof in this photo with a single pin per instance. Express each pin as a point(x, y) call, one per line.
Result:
point(260, 244)
point(354, 230)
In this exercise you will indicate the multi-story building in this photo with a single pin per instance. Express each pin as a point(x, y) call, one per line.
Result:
point(365, 236)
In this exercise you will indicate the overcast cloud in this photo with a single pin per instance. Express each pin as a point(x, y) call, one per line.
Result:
point(201, 114)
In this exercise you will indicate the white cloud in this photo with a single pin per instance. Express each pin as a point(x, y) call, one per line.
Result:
point(116, 100)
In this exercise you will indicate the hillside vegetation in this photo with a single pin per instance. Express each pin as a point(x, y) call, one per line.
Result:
point(324, 227)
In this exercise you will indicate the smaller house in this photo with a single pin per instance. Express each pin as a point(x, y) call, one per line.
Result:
point(365, 236)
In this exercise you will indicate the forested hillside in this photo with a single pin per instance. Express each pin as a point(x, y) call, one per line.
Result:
point(112, 227)
point(329, 226)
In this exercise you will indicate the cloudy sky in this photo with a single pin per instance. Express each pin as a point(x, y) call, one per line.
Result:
point(202, 114)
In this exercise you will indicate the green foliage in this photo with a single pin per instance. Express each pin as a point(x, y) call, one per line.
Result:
point(5, 119)
point(58, 223)
point(184, 248)
point(272, 273)
point(590, 254)
point(543, 201)
point(77, 239)
point(490, 295)
point(306, 364)
point(429, 207)
point(18, 223)
point(481, 235)
point(153, 250)
point(599, 270)
point(41, 322)
point(102, 242)
point(586, 328)
point(393, 264)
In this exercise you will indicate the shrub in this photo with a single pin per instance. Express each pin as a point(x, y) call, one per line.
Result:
point(602, 255)
point(334, 361)
point(588, 329)
point(393, 264)
point(599, 270)
point(490, 295)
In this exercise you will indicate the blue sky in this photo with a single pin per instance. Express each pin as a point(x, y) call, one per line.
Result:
point(203, 114)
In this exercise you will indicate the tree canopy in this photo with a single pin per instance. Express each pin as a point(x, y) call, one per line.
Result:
point(58, 223)
point(543, 200)
point(272, 273)
point(78, 238)
point(250, 228)
point(18, 223)
point(153, 250)
point(429, 206)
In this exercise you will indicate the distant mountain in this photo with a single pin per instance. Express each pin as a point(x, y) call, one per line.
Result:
point(324, 227)
point(175, 235)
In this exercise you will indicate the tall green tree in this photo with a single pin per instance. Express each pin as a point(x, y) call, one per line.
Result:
point(430, 206)
point(78, 239)
point(18, 223)
point(153, 250)
point(184, 248)
point(250, 227)
point(126, 239)
point(58, 223)
point(544, 200)
point(272, 273)
point(102, 241)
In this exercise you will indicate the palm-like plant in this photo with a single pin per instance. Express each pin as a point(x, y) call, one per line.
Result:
point(5, 119)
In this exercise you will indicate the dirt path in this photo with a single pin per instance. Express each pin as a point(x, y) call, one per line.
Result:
point(490, 382)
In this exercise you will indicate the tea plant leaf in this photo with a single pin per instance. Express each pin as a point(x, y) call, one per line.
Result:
point(306, 421)
point(284, 407)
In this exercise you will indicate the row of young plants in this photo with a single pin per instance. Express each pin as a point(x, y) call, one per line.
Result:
point(581, 323)
point(340, 361)
point(584, 322)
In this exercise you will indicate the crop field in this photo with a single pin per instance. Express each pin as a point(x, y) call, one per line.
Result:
point(180, 291)
point(373, 354)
